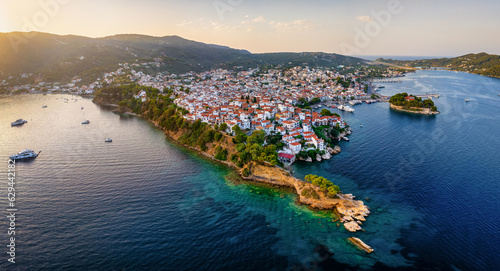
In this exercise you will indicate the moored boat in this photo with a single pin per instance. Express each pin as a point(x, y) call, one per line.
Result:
point(18, 122)
point(108, 140)
point(26, 154)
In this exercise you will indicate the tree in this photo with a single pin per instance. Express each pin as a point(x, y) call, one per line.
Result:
point(236, 129)
point(257, 137)
point(326, 112)
point(246, 172)
point(240, 138)
point(223, 126)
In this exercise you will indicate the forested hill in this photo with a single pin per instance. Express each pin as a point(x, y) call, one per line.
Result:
point(482, 63)
point(59, 58)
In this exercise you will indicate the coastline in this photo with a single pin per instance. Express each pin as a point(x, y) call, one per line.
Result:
point(352, 213)
point(424, 111)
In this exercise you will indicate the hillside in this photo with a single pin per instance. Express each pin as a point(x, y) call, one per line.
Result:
point(59, 58)
point(482, 63)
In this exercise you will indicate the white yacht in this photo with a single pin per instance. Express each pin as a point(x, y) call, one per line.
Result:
point(18, 122)
point(345, 108)
point(348, 109)
point(467, 99)
point(26, 154)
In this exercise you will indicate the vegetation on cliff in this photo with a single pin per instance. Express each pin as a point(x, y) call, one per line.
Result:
point(161, 109)
point(324, 184)
point(410, 102)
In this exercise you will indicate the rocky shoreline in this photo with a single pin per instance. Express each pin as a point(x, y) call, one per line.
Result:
point(423, 111)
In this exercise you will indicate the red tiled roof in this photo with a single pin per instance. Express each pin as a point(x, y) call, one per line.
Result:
point(286, 155)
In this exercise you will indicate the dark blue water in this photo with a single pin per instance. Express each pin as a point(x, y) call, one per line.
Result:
point(141, 203)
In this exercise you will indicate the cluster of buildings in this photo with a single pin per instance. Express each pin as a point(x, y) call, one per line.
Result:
point(255, 100)
point(267, 102)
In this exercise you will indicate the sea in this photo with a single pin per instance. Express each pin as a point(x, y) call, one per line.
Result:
point(144, 203)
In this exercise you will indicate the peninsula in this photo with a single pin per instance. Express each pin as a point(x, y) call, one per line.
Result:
point(413, 104)
point(255, 132)
point(481, 64)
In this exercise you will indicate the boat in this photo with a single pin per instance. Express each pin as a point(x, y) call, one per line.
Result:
point(26, 154)
point(44, 106)
point(18, 122)
point(348, 109)
point(84, 120)
point(467, 99)
point(108, 140)
point(361, 125)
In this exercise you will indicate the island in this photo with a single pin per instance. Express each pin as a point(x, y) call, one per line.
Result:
point(412, 104)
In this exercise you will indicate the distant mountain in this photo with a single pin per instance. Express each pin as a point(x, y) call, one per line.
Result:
point(59, 58)
point(482, 63)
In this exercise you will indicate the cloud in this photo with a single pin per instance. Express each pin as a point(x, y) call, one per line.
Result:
point(184, 23)
point(364, 18)
point(259, 19)
point(297, 25)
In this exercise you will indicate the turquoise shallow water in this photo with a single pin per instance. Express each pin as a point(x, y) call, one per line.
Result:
point(143, 203)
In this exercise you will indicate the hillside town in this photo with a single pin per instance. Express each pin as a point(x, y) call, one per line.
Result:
point(272, 102)
point(275, 101)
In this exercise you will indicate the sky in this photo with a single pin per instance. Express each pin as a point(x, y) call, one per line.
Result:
point(350, 27)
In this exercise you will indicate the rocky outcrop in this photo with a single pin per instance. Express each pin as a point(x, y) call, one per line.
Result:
point(360, 244)
point(335, 150)
point(351, 212)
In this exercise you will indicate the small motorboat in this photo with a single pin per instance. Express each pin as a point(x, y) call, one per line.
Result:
point(108, 140)
point(18, 122)
point(26, 154)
